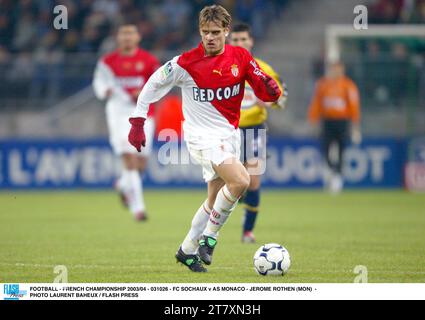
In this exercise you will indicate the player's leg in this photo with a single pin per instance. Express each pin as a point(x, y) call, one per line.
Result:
point(188, 251)
point(121, 187)
point(254, 155)
point(142, 161)
point(214, 187)
point(236, 179)
point(341, 135)
point(132, 185)
point(338, 138)
point(252, 202)
point(326, 143)
point(129, 183)
point(117, 120)
point(141, 164)
point(199, 222)
point(210, 158)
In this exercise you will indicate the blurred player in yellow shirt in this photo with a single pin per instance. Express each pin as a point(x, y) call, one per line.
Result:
point(253, 129)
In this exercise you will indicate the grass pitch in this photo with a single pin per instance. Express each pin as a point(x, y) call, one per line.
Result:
point(97, 240)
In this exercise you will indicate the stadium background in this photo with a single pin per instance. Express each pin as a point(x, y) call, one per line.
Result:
point(46, 93)
point(53, 136)
point(51, 121)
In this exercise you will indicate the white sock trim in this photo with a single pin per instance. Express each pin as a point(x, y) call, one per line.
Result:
point(228, 195)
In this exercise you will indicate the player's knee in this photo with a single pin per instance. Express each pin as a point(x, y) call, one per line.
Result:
point(242, 182)
point(247, 181)
point(255, 183)
point(130, 161)
point(142, 164)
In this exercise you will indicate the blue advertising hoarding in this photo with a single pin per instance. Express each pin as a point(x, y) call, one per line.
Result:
point(292, 163)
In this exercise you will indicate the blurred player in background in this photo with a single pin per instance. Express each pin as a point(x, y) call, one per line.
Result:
point(253, 128)
point(212, 79)
point(118, 79)
point(336, 103)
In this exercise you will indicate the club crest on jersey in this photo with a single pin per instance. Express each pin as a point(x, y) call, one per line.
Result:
point(209, 95)
point(235, 70)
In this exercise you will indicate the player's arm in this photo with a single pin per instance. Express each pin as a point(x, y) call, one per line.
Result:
point(283, 99)
point(158, 85)
point(154, 65)
point(264, 86)
point(105, 85)
point(103, 81)
point(314, 114)
point(281, 103)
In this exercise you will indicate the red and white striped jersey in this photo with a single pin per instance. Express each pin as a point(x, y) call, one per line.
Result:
point(124, 75)
point(212, 90)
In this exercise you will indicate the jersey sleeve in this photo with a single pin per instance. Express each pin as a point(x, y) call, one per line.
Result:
point(314, 114)
point(353, 100)
point(103, 80)
point(272, 73)
point(255, 77)
point(158, 85)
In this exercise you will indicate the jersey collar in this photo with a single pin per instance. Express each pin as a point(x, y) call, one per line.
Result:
point(201, 47)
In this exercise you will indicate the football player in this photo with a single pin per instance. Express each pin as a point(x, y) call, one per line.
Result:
point(118, 79)
point(253, 129)
point(212, 80)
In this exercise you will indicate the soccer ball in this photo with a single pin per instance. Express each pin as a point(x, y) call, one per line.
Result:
point(272, 259)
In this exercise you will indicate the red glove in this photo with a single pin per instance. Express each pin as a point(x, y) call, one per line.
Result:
point(272, 87)
point(137, 137)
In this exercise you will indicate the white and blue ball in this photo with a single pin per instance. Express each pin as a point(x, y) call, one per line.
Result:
point(272, 259)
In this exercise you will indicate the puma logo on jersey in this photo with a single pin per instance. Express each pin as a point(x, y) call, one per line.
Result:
point(209, 95)
point(217, 72)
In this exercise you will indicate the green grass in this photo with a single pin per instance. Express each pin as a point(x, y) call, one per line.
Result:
point(98, 241)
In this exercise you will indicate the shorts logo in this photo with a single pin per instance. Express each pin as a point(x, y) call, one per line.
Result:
point(235, 70)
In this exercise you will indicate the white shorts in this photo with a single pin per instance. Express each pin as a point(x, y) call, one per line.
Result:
point(119, 127)
point(215, 152)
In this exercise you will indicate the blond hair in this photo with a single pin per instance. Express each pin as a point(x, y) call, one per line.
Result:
point(216, 14)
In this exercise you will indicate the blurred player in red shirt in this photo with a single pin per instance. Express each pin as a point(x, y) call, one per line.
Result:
point(336, 103)
point(118, 79)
